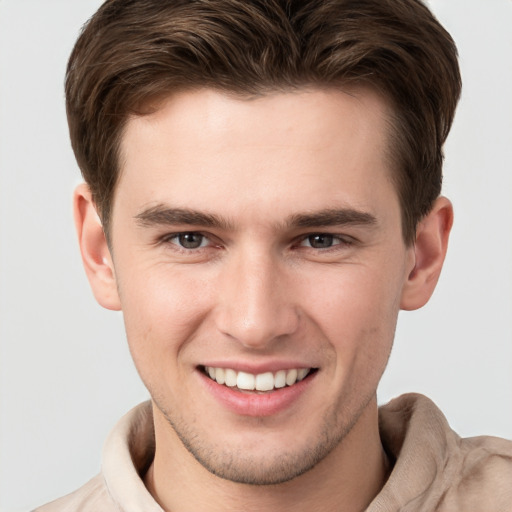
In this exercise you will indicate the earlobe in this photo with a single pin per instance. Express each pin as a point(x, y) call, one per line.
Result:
point(430, 249)
point(96, 256)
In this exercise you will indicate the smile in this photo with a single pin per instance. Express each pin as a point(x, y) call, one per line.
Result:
point(267, 381)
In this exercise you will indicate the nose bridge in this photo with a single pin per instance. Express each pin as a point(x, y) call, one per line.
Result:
point(256, 303)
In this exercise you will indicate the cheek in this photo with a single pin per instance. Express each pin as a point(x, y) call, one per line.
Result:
point(357, 315)
point(162, 312)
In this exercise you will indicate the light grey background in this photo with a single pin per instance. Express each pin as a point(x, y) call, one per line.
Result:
point(65, 371)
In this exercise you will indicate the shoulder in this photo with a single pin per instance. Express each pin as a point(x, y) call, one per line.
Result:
point(434, 468)
point(482, 478)
point(92, 497)
point(127, 452)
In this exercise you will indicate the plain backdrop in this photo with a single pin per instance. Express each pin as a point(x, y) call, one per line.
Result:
point(65, 371)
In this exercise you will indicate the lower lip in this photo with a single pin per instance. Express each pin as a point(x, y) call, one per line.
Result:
point(257, 404)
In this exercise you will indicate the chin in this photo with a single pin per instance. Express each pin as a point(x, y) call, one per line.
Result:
point(263, 459)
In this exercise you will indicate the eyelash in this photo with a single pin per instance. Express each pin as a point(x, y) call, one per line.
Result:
point(342, 240)
point(339, 241)
point(167, 239)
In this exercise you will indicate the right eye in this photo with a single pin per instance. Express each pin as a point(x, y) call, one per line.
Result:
point(320, 241)
point(189, 240)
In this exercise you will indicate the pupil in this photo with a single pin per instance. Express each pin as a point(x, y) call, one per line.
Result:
point(190, 240)
point(320, 241)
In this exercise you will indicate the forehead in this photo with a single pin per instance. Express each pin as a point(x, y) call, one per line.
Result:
point(313, 114)
point(322, 148)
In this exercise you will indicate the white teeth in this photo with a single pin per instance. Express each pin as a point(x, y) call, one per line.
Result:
point(260, 382)
point(291, 377)
point(280, 379)
point(220, 375)
point(301, 373)
point(230, 377)
point(245, 381)
point(264, 381)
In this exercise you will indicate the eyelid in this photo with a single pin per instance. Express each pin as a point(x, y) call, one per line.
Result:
point(343, 239)
point(170, 236)
point(340, 239)
point(213, 241)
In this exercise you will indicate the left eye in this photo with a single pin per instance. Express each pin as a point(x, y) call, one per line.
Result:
point(189, 240)
point(321, 241)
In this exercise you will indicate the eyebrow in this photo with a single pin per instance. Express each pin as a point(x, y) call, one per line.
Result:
point(332, 217)
point(164, 215)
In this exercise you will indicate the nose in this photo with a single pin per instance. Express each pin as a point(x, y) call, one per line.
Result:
point(255, 301)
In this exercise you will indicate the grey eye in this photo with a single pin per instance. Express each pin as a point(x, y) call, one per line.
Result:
point(321, 241)
point(191, 240)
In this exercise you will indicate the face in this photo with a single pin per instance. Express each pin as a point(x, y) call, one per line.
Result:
point(260, 264)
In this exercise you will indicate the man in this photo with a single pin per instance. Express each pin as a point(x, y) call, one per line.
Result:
point(261, 199)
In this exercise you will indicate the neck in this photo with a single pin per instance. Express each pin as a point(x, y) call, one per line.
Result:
point(351, 475)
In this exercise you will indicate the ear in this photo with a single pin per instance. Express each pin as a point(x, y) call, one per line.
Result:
point(96, 256)
point(429, 250)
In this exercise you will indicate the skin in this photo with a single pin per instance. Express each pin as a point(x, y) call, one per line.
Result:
point(259, 180)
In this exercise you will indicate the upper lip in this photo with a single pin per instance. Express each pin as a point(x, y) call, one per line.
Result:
point(257, 368)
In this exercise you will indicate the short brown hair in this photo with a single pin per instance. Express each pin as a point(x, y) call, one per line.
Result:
point(133, 51)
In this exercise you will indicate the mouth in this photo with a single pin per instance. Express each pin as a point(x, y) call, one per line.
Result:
point(261, 382)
